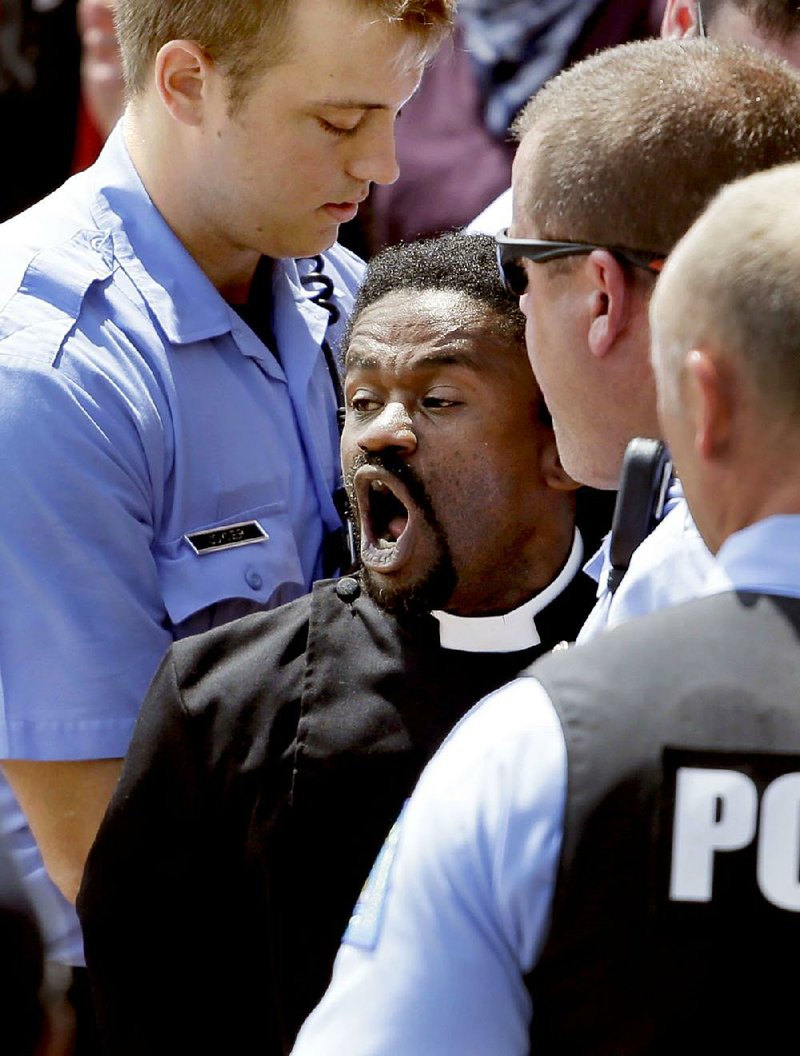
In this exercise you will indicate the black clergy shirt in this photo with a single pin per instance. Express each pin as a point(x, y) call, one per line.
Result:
point(270, 759)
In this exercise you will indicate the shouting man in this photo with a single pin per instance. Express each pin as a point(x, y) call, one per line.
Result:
point(272, 755)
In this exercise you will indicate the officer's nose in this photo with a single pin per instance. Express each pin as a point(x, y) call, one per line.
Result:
point(393, 427)
point(374, 158)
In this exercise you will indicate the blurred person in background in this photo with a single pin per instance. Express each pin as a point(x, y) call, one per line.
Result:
point(453, 142)
point(39, 94)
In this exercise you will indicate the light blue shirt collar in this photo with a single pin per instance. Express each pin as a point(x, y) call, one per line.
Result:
point(764, 557)
point(185, 302)
point(599, 564)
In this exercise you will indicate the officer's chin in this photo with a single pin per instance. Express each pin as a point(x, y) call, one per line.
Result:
point(309, 245)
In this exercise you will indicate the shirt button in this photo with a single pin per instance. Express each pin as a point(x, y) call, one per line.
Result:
point(254, 579)
point(348, 588)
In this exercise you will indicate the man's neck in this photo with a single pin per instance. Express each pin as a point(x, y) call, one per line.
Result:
point(160, 151)
point(511, 631)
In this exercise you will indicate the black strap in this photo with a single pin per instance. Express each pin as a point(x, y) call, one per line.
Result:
point(646, 473)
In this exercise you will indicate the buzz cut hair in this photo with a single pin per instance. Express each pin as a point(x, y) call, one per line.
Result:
point(463, 264)
point(245, 37)
point(627, 147)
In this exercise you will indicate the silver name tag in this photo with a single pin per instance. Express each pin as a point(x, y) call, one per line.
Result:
point(212, 539)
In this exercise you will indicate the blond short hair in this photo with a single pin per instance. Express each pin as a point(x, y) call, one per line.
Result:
point(632, 143)
point(244, 37)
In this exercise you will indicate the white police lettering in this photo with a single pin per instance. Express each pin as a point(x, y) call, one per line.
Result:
point(717, 811)
point(779, 843)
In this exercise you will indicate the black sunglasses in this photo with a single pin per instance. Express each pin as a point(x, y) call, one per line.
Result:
point(511, 252)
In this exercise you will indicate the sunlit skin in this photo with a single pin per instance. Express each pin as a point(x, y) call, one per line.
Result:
point(434, 386)
point(572, 381)
point(586, 332)
point(677, 414)
point(284, 170)
point(730, 23)
point(590, 399)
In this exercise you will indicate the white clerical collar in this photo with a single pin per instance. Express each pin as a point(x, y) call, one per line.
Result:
point(514, 630)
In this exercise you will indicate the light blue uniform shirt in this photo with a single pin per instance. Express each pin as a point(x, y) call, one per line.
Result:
point(457, 908)
point(669, 567)
point(136, 407)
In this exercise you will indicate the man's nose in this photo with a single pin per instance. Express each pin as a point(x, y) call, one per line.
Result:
point(374, 159)
point(392, 427)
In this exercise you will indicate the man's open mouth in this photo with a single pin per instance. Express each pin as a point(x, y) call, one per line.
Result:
point(387, 515)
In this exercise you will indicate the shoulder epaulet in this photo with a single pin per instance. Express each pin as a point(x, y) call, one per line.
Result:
point(47, 302)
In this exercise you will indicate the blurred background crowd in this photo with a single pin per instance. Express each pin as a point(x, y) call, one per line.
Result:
point(61, 93)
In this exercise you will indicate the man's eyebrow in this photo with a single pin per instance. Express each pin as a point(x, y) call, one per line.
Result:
point(432, 359)
point(350, 104)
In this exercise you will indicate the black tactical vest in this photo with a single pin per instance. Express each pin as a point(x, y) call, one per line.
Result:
point(676, 917)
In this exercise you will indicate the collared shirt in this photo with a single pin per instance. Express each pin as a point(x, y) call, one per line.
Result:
point(327, 751)
point(513, 630)
point(460, 898)
point(666, 569)
point(137, 409)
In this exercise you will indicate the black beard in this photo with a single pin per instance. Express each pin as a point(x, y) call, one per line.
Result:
point(432, 591)
point(436, 587)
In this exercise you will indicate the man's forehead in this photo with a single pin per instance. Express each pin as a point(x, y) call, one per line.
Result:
point(398, 49)
point(413, 310)
point(440, 325)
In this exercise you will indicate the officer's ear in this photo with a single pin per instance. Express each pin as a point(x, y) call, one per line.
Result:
point(610, 301)
point(182, 70)
point(710, 396)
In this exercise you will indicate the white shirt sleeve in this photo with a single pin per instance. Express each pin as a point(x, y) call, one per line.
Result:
point(458, 904)
point(495, 216)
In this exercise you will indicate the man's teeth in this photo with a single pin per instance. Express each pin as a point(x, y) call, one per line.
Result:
point(396, 525)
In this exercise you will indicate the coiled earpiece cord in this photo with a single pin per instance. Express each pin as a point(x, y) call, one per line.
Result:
point(347, 560)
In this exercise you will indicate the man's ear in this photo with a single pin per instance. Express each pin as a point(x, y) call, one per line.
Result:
point(553, 473)
point(181, 68)
point(609, 301)
point(680, 19)
point(710, 395)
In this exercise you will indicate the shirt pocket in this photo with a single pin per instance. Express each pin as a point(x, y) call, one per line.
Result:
point(191, 582)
